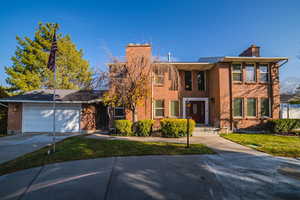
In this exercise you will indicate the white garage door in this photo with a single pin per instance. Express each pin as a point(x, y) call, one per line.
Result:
point(39, 117)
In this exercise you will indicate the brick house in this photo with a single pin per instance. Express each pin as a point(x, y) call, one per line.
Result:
point(232, 92)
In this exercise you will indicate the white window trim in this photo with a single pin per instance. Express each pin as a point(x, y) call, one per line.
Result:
point(268, 73)
point(184, 101)
point(256, 106)
point(170, 109)
point(243, 104)
point(241, 73)
point(154, 109)
point(255, 72)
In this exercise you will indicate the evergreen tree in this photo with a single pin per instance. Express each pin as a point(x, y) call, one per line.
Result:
point(29, 69)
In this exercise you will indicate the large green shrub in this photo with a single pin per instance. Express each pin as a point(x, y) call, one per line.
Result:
point(123, 127)
point(284, 125)
point(176, 127)
point(143, 127)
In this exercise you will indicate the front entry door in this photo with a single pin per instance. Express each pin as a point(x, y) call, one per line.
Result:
point(196, 110)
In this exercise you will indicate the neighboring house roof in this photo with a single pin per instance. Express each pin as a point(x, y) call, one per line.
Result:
point(286, 98)
point(62, 96)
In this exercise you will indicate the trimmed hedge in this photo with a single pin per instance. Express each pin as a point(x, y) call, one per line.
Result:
point(143, 127)
point(123, 127)
point(284, 125)
point(176, 127)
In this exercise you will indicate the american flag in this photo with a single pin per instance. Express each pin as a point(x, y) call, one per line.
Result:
point(51, 61)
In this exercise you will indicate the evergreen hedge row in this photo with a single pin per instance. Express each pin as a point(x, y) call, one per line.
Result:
point(284, 125)
point(176, 127)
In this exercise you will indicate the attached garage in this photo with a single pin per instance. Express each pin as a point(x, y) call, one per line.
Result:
point(39, 117)
point(76, 111)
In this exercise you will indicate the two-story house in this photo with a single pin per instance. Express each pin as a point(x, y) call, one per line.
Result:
point(227, 92)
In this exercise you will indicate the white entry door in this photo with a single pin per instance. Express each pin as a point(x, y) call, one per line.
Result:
point(39, 117)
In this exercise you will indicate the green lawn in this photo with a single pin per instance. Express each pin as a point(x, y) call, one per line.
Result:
point(78, 148)
point(288, 146)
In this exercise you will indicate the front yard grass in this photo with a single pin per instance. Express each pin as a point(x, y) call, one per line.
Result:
point(80, 147)
point(288, 146)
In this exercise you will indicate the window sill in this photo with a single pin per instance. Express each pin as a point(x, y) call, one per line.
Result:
point(237, 82)
point(238, 117)
point(158, 85)
point(157, 117)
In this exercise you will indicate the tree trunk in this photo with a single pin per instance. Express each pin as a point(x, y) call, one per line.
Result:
point(134, 116)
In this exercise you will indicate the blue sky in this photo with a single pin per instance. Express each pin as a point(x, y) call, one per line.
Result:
point(188, 29)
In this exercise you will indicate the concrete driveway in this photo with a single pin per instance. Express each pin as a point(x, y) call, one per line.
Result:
point(14, 146)
point(231, 174)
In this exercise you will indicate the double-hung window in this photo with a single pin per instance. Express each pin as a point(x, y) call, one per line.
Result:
point(159, 78)
point(238, 107)
point(188, 80)
point(119, 113)
point(159, 108)
point(174, 108)
point(264, 73)
point(251, 107)
point(237, 74)
point(250, 73)
point(265, 107)
point(201, 80)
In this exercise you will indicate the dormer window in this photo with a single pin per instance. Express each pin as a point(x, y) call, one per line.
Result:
point(250, 73)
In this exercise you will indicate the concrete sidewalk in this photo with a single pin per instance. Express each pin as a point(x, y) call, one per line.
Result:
point(236, 172)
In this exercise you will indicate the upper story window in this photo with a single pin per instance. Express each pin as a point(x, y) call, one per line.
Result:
point(264, 73)
point(238, 107)
point(174, 108)
point(250, 73)
point(201, 80)
point(237, 74)
point(188, 80)
point(159, 108)
point(159, 78)
point(251, 107)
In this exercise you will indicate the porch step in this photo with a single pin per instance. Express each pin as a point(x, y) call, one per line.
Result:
point(205, 130)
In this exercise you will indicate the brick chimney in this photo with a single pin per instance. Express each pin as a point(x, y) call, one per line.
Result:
point(252, 51)
point(143, 50)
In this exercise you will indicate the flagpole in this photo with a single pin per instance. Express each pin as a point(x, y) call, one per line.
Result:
point(54, 108)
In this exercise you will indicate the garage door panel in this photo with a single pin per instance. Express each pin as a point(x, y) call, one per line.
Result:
point(39, 118)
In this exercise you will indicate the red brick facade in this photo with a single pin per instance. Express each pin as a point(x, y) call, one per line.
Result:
point(220, 90)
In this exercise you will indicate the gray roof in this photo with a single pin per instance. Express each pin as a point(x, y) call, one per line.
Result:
point(285, 98)
point(46, 95)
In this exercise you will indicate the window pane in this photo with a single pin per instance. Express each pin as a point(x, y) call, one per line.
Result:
point(159, 78)
point(119, 112)
point(201, 80)
point(238, 107)
point(174, 108)
point(251, 107)
point(188, 80)
point(250, 73)
point(264, 73)
point(265, 107)
point(159, 112)
point(237, 77)
point(159, 104)
point(237, 67)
